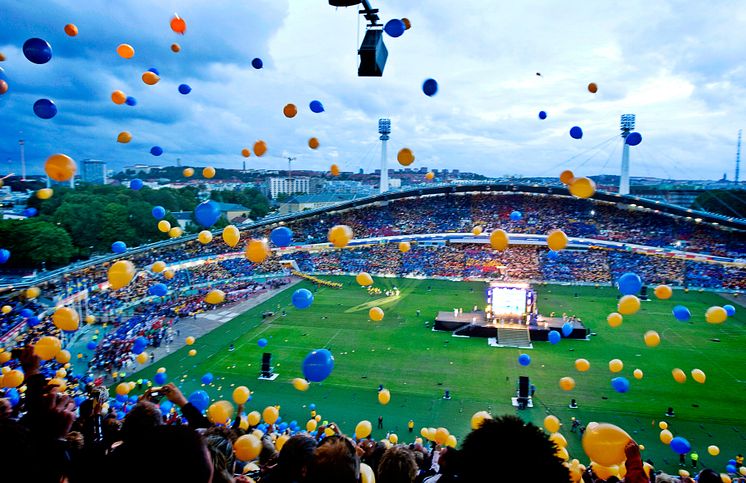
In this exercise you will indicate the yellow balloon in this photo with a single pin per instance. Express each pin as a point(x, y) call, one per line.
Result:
point(499, 240)
point(363, 429)
point(32, 293)
point(384, 396)
point(605, 472)
point(684, 474)
point(404, 247)
point(393, 438)
point(300, 384)
point(311, 425)
point(220, 412)
point(61, 373)
point(616, 365)
point(241, 394)
point(340, 235)
point(558, 439)
point(189, 340)
point(123, 389)
point(257, 250)
point(281, 441)
point(366, 474)
point(582, 365)
point(66, 318)
point(168, 274)
point(204, 237)
point(7, 309)
point(652, 339)
point(63, 357)
point(424, 433)
point(666, 436)
point(188, 172)
point(13, 378)
point(121, 274)
point(364, 279)
point(405, 156)
point(663, 292)
point(375, 314)
point(254, 417)
point(638, 374)
point(231, 235)
point(556, 240)
point(47, 347)
point(628, 305)
point(164, 226)
point(604, 443)
point(582, 187)
point(142, 358)
point(175, 232)
point(60, 383)
point(208, 172)
point(158, 267)
point(270, 414)
point(429, 176)
point(552, 423)
point(615, 319)
point(716, 315)
point(663, 425)
point(713, 450)
point(567, 383)
point(89, 319)
point(451, 442)
point(215, 297)
point(45, 193)
point(441, 435)
point(247, 447)
point(699, 376)
point(478, 418)
point(477, 230)
point(679, 375)
point(4, 357)
point(328, 431)
point(725, 478)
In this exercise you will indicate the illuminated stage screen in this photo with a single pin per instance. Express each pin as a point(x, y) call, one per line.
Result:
point(507, 300)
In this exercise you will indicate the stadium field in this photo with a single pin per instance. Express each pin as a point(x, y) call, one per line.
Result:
point(418, 364)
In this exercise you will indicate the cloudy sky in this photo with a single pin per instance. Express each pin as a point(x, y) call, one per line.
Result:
point(678, 65)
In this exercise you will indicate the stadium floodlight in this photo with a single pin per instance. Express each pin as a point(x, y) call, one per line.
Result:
point(627, 124)
point(384, 129)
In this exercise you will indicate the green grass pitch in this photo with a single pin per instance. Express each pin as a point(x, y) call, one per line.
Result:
point(417, 364)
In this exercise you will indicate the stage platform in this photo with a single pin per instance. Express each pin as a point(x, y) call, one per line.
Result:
point(475, 324)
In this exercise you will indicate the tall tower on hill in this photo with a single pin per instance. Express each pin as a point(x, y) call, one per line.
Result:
point(384, 129)
point(627, 125)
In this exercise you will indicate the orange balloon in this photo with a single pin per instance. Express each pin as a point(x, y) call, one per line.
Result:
point(60, 167)
point(592, 88)
point(615, 319)
point(290, 110)
point(404, 247)
point(71, 30)
point(429, 176)
point(652, 339)
point(679, 375)
point(313, 143)
point(405, 157)
point(499, 240)
point(567, 383)
point(125, 51)
point(188, 172)
point(407, 23)
point(208, 172)
point(334, 170)
point(124, 137)
point(257, 250)
point(178, 25)
point(245, 152)
point(582, 187)
point(3, 87)
point(150, 78)
point(556, 240)
point(375, 314)
point(582, 365)
point(567, 176)
point(340, 235)
point(118, 97)
point(663, 292)
point(616, 365)
point(260, 147)
point(176, 48)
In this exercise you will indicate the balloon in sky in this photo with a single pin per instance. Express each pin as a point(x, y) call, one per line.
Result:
point(281, 236)
point(576, 132)
point(37, 50)
point(316, 106)
point(592, 88)
point(313, 143)
point(156, 150)
point(634, 138)
point(405, 156)
point(178, 25)
point(302, 298)
point(395, 27)
point(430, 87)
point(318, 365)
point(582, 187)
point(118, 247)
point(175, 48)
point(136, 184)
point(207, 213)
point(158, 212)
point(290, 110)
point(184, 89)
point(150, 78)
point(125, 51)
point(124, 137)
point(45, 109)
point(260, 147)
point(3, 86)
point(130, 101)
point(60, 167)
point(71, 30)
point(257, 63)
point(542, 115)
point(629, 283)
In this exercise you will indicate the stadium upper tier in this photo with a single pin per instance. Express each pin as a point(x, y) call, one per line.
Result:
point(456, 209)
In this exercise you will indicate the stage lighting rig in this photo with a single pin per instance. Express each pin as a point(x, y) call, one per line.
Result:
point(372, 51)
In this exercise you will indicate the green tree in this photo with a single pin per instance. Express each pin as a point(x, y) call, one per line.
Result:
point(34, 241)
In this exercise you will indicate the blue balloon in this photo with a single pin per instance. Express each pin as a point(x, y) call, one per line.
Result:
point(430, 87)
point(45, 109)
point(141, 341)
point(312, 407)
point(730, 310)
point(207, 213)
point(130, 101)
point(138, 349)
point(91, 345)
point(516, 215)
point(542, 115)
point(302, 298)
point(681, 313)
point(395, 27)
point(160, 378)
point(156, 150)
point(136, 184)
point(159, 289)
point(680, 445)
point(554, 336)
point(552, 255)
point(629, 284)
point(166, 406)
point(524, 359)
point(4, 255)
point(120, 415)
point(118, 247)
point(30, 212)
point(576, 132)
point(26, 313)
point(184, 89)
point(262, 342)
point(620, 384)
point(730, 468)
point(207, 378)
point(316, 106)
point(634, 138)
point(37, 50)
point(132, 399)
point(154, 71)
point(33, 321)
point(257, 63)
point(199, 400)
point(567, 329)
point(121, 398)
point(281, 236)
point(318, 365)
point(13, 396)
point(158, 212)
point(732, 462)
point(79, 400)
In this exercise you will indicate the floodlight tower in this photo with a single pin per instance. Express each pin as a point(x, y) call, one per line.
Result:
point(738, 158)
point(23, 160)
point(384, 129)
point(627, 125)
